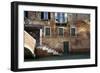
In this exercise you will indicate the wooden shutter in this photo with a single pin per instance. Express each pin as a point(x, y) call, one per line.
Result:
point(48, 15)
point(26, 14)
point(42, 15)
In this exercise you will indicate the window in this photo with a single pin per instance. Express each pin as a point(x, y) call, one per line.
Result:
point(26, 14)
point(61, 31)
point(45, 15)
point(73, 31)
point(47, 31)
point(61, 17)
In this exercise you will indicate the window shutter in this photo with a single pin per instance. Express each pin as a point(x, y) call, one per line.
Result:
point(63, 17)
point(42, 15)
point(58, 17)
point(26, 14)
point(48, 15)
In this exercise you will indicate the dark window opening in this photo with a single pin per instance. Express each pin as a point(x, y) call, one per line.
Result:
point(45, 15)
point(47, 31)
point(26, 14)
point(61, 31)
point(73, 32)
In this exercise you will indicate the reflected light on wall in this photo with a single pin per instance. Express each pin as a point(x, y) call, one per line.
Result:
point(82, 29)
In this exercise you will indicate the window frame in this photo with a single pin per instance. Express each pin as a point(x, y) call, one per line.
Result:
point(45, 31)
point(63, 32)
point(75, 31)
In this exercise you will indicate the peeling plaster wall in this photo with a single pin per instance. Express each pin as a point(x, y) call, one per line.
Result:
point(55, 41)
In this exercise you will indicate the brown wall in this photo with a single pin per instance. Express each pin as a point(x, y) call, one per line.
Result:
point(81, 41)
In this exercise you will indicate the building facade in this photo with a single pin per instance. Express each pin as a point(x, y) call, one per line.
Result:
point(64, 32)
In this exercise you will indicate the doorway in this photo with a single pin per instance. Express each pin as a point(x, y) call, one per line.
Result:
point(66, 47)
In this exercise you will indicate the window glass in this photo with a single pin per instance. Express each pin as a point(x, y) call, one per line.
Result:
point(61, 17)
point(45, 15)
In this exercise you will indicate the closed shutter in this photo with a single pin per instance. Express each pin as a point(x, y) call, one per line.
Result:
point(26, 14)
point(49, 15)
point(42, 15)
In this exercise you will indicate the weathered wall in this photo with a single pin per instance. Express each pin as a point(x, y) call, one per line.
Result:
point(81, 21)
point(82, 41)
